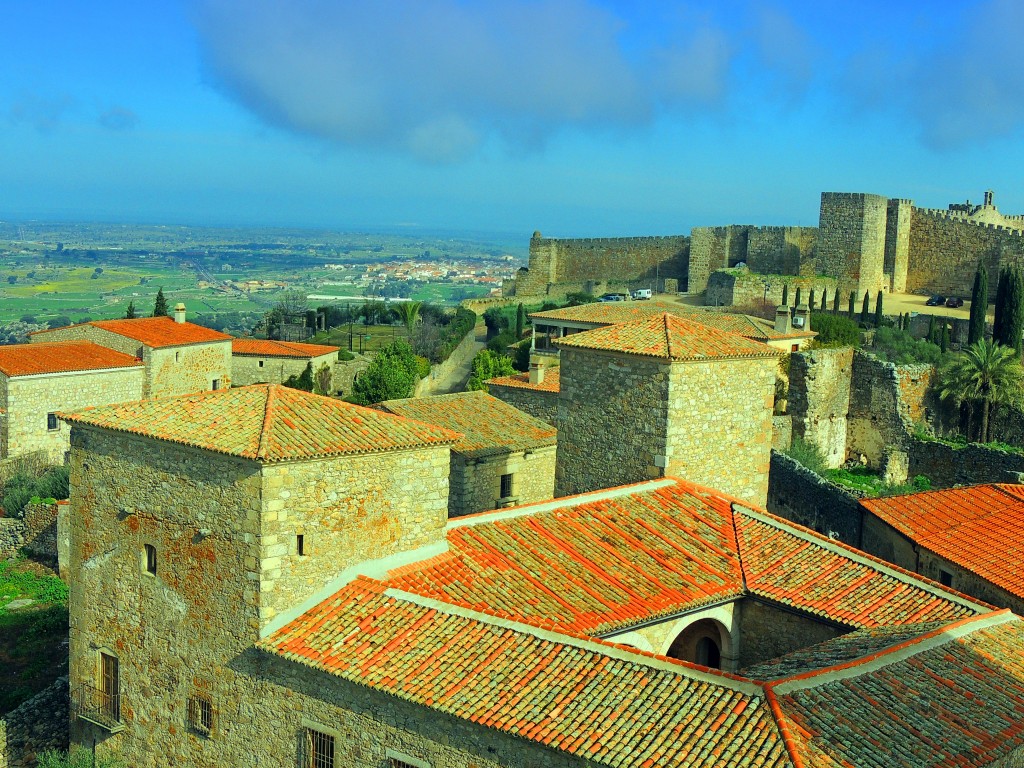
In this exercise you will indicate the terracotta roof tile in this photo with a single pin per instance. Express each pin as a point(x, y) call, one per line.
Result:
point(551, 383)
point(265, 422)
point(980, 528)
point(271, 348)
point(154, 332)
point(488, 425)
point(668, 337)
point(60, 357)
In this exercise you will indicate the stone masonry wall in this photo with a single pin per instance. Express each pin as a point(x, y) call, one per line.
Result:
point(720, 424)
point(476, 483)
point(538, 403)
point(899, 218)
point(184, 370)
point(767, 250)
point(612, 420)
point(945, 252)
point(851, 240)
point(31, 398)
point(36, 532)
point(819, 399)
point(348, 509)
point(732, 287)
point(798, 494)
point(930, 565)
point(777, 631)
point(947, 466)
point(39, 724)
point(248, 369)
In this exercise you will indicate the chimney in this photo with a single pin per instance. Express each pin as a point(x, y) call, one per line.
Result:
point(802, 318)
point(783, 322)
point(179, 313)
point(536, 373)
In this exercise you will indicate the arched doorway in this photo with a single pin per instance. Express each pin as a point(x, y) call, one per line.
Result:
point(701, 643)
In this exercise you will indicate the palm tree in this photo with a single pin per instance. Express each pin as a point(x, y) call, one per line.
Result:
point(987, 374)
point(408, 312)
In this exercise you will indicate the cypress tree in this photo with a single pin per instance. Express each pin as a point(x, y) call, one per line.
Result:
point(878, 310)
point(130, 314)
point(997, 326)
point(864, 309)
point(520, 320)
point(824, 305)
point(1013, 326)
point(785, 294)
point(853, 303)
point(979, 306)
point(798, 292)
point(835, 303)
point(933, 330)
point(160, 307)
point(810, 300)
point(944, 338)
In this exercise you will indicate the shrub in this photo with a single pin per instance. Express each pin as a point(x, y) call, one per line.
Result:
point(575, 298)
point(487, 365)
point(807, 454)
point(500, 343)
point(900, 347)
point(391, 376)
point(835, 330)
point(22, 487)
point(344, 355)
point(303, 381)
point(78, 757)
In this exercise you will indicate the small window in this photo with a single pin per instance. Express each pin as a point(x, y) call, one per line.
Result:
point(215, 384)
point(200, 715)
point(506, 486)
point(300, 545)
point(945, 578)
point(51, 422)
point(319, 749)
point(400, 760)
point(261, 363)
point(149, 555)
point(177, 357)
point(795, 348)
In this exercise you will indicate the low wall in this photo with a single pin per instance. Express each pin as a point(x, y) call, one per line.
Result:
point(39, 724)
point(947, 466)
point(730, 287)
point(346, 371)
point(798, 494)
point(461, 355)
point(36, 532)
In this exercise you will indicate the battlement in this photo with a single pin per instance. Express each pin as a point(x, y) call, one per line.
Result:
point(604, 241)
point(963, 218)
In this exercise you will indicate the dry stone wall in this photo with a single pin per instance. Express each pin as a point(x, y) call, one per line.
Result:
point(947, 465)
point(819, 399)
point(475, 484)
point(183, 370)
point(798, 494)
point(38, 725)
point(36, 532)
point(538, 403)
point(249, 369)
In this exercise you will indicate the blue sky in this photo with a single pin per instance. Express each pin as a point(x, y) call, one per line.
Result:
point(574, 117)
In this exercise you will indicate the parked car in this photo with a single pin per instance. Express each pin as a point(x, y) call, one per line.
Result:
point(612, 297)
point(642, 294)
point(935, 301)
point(954, 302)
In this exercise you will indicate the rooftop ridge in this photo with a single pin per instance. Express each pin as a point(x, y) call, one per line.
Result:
point(603, 647)
point(863, 558)
point(263, 444)
point(892, 654)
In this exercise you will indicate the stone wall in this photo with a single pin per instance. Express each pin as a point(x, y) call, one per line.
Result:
point(741, 287)
point(880, 539)
point(31, 398)
point(12, 536)
point(347, 371)
point(768, 250)
point(475, 484)
point(39, 724)
point(819, 399)
point(947, 466)
point(576, 261)
point(36, 532)
point(460, 356)
point(899, 218)
point(798, 494)
point(851, 240)
point(249, 369)
point(777, 631)
point(945, 251)
point(192, 368)
point(538, 403)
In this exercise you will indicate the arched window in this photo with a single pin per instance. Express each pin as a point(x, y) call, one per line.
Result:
point(701, 643)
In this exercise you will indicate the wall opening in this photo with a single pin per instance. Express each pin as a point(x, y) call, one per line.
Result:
point(701, 643)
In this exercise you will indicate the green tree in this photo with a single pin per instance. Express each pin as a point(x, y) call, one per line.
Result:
point(979, 306)
point(835, 331)
point(160, 305)
point(853, 303)
point(391, 376)
point(303, 381)
point(864, 309)
point(323, 380)
point(520, 321)
point(408, 312)
point(878, 310)
point(933, 330)
point(1010, 313)
point(835, 303)
point(811, 300)
point(985, 374)
point(130, 314)
point(799, 291)
point(488, 365)
point(1000, 308)
point(944, 337)
point(824, 303)
point(785, 294)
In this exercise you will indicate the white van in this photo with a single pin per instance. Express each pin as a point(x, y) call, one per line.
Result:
point(642, 293)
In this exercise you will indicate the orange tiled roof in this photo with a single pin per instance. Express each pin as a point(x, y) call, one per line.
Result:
point(551, 383)
point(668, 337)
point(265, 422)
point(271, 348)
point(60, 357)
point(154, 332)
point(488, 425)
point(980, 528)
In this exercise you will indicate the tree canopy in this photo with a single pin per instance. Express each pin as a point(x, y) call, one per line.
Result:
point(160, 305)
point(392, 375)
point(985, 374)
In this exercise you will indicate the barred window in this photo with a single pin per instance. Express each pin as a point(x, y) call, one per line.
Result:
point(506, 486)
point(200, 715)
point(398, 759)
point(319, 749)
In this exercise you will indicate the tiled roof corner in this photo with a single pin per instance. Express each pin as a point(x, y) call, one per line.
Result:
point(551, 383)
point(159, 332)
point(273, 348)
point(60, 357)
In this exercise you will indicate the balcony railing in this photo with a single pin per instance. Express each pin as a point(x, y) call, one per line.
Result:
point(96, 706)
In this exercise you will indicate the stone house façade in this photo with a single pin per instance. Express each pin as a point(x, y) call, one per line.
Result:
point(535, 392)
point(38, 380)
point(179, 357)
point(504, 458)
point(665, 396)
point(265, 361)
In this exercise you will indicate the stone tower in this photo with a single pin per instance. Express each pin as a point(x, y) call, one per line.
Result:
point(851, 240)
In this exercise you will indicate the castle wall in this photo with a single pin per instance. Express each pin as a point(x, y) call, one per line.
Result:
point(819, 399)
point(709, 251)
point(739, 288)
point(851, 240)
point(945, 251)
point(475, 484)
point(899, 220)
point(781, 250)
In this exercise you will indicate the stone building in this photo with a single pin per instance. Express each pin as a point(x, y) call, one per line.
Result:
point(265, 361)
point(665, 396)
point(663, 622)
point(535, 392)
point(968, 539)
point(38, 380)
point(179, 357)
point(505, 457)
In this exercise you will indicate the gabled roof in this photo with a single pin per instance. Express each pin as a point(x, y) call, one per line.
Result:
point(265, 422)
point(488, 425)
point(668, 337)
point(980, 528)
point(60, 357)
point(551, 383)
point(154, 332)
point(271, 348)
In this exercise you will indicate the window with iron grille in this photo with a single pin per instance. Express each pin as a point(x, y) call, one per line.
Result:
point(506, 486)
point(200, 715)
point(319, 749)
point(51, 422)
point(398, 759)
point(110, 686)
